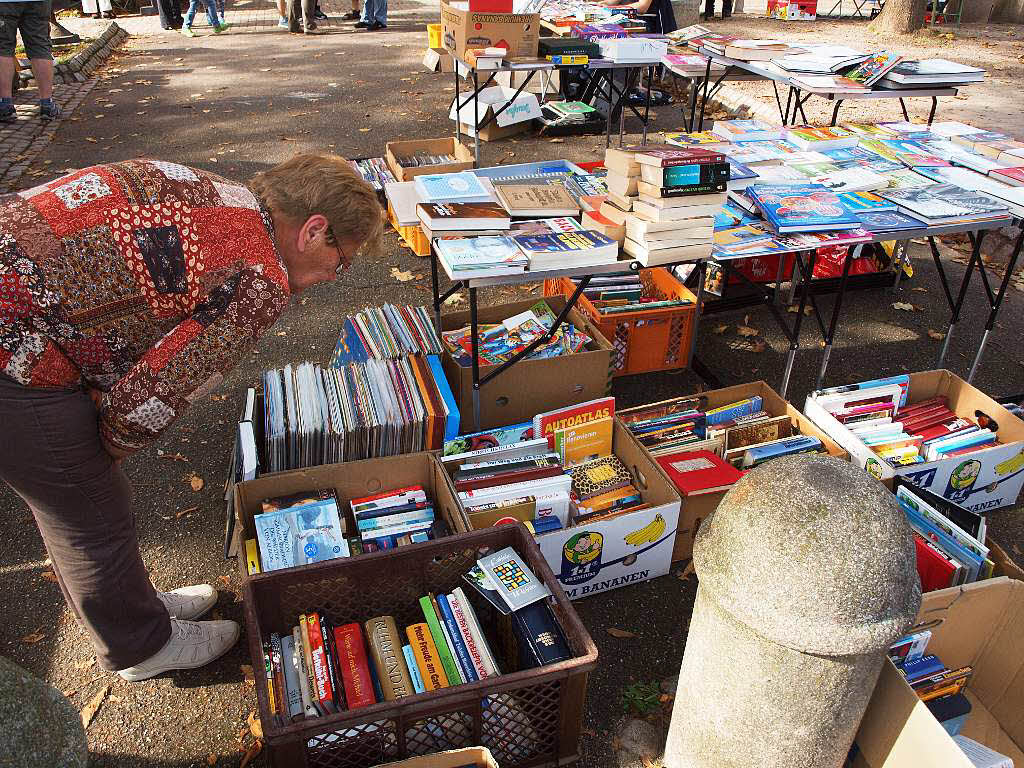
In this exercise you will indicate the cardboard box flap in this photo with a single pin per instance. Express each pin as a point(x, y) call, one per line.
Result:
point(984, 728)
point(520, 109)
point(966, 400)
point(963, 619)
point(898, 730)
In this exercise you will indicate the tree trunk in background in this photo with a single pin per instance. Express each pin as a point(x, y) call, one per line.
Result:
point(900, 17)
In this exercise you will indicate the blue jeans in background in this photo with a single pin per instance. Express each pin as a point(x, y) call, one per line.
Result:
point(375, 11)
point(211, 12)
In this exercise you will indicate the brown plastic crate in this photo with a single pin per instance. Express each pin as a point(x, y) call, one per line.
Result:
point(526, 718)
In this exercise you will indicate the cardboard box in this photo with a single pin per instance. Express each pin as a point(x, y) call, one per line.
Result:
point(462, 29)
point(697, 508)
point(977, 625)
point(438, 60)
point(447, 146)
point(596, 557)
point(477, 757)
point(530, 386)
point(514, 119)
point(351, 480)
point(986, 479)
point(546, 82)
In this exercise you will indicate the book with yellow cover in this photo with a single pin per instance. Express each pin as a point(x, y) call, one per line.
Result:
point(425, 653)
point(583, 442)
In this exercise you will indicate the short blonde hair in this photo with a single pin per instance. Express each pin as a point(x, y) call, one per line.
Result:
point(309, 184)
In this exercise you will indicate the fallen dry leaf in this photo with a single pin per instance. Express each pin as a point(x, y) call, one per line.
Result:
point(557, 141)
point(794, 309)
point(936, 335)
point(186, 512)
point(250, 754)
point(173, 456)
point(211, 759)
point(646, 761)
point(255, 725)
point(454, 300)
point(33, 637)
point(89, 710)
point(49, 576)
point(196, 482)
point(720, 329)
point(746, 330)
point(620, 633)
point(919, 289)
point(402, 276)
point(903, 305)
point(247, 672)
point(758, 347)
point(686, 572)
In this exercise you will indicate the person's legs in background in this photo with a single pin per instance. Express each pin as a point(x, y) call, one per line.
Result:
point(282, 14)
point(9, 14)
point(170, 14)
point(35, 34)
point(295, 16)
point(190, 16)
point(375, 15)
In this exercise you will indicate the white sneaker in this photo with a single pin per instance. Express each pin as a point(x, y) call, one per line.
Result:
point(193, 644)
point(189, 602)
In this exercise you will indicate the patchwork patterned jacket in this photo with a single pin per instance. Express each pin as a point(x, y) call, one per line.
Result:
point(146, 280)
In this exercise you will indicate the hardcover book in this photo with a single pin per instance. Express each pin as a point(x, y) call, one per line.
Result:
point(540, 637)
point(463, 216)
point(456, 641)
point(386, 650)
point(542, 200)
point(353, 666)
point(425, 652)
point(472, 633)
point(585, 442)
point(570, 247)
point(507, 574)
point(444, 650)
point(461, 187)
point(599, 476)
point(669, 157)
point(801, 207)
point(874, 68)
point(698, 472)
point(545, 424)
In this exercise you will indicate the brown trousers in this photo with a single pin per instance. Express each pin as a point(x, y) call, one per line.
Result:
point(51, 455)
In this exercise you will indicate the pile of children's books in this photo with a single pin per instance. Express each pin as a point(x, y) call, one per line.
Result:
point(665, 199)
point(553, 473)
point(942, 689)
point(499, 342)
point(950, 539)
point(310, 527)
point(385, 333)
point(315, 415)
point(322, 667)
point(878, 414)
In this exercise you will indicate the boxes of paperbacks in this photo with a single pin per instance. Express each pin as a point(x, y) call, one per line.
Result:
point(952, 542)
point(705, 442)
point(603, 513)
point(462, 641)
point(934, 429)
point(384, 393)
point(572, 367)
point(949, 695)
point(647, 315)
point(666, 199)
point(408, 159)
point(335, 511)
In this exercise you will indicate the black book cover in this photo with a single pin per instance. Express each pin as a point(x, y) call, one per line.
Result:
point(540, 637)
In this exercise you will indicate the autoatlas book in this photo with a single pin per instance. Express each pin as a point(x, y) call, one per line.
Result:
point(801, 207)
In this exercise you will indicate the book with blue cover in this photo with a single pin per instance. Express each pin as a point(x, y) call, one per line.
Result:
point(801, 207)
point(568, 248)
point(299, 535)
point(459, 649)
point(414, 670)
point(888, 221)
point(865, 202)
point(451, 426)
point(482, 256)
point(461, 187)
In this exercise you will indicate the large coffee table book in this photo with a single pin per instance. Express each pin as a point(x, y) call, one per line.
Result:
point(465, 641)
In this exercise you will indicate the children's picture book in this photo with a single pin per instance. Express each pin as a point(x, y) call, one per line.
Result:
point(801, 207)
point(874, 68)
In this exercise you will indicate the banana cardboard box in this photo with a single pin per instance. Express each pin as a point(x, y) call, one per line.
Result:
point(634, 547)
point(982, 480)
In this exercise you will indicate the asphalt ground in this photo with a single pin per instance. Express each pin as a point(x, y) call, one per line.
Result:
point(237, 104)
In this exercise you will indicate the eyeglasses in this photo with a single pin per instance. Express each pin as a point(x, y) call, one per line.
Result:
point(331, 240)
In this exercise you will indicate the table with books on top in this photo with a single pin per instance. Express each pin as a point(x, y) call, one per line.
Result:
point(796, 191)
point(833, 72)
point(596, 51)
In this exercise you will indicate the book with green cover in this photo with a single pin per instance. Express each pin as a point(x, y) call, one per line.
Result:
point(451, 669)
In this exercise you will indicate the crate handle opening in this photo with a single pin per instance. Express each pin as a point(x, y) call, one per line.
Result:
point(501, 401)
point(640, 479)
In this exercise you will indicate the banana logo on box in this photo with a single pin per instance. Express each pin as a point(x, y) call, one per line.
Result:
point(649, 533)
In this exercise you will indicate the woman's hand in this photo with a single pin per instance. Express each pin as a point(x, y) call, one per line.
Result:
point(117, 454)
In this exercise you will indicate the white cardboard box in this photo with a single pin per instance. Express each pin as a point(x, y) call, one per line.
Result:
point(523, 109)
point(633, 49)
point(990, 478)
point(588, 559)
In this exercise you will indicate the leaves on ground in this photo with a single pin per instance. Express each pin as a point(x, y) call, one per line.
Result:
point(746, 330)
point(687, 572)
point(720, 329)
point(250, 754)
point(196, 482)
point(936, 335)
point(795, 308)
point(454, 300)
point(903, 306)
point(402, 275)
point(622, 634)
point(246, 670)
point(255, 725)
point(33, 637)
point(89, 710)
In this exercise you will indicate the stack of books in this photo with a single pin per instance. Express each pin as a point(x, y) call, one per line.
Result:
point(945, 204)
point(626, 292)
point(387, 332)
point(935, 684)
point(323, 667)
point(374, 170)
point(297, 530)
point(931, 73)
point(499, 342)
point(315, 415)
point(673, 195)
point(479, 257)
point(742, 434)
point(395, 518)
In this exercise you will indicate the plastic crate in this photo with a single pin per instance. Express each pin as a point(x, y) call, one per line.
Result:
point(645, 340)
point(412, 236)
point(526, 718)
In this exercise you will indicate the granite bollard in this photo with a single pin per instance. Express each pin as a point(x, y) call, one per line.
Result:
point(807, 574)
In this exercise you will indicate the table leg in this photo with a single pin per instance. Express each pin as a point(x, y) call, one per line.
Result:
point(647, 104)
point(835, 112)
point(704, 97)
point(778, 101)
point(623, 101)
point(474, 336)
point(693, 106)
point(701, 268)
point(800, 106)
point(458, 122)
point(794, 343)
point(435, 287)
point(608, 120)
point(902, 248)
point(994, 312)
point(958, 305)
point(903, 106)
point(476, 118)
point(931, 113)
point(851, 254)
point(789, 103)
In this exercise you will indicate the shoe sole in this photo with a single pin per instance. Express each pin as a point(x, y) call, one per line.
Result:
point(136, 677)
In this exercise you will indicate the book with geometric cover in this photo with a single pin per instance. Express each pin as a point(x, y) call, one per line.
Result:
point(944, 203)
point(599, 476)
point(801, 207)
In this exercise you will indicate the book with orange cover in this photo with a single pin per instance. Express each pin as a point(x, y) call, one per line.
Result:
point(425, 652)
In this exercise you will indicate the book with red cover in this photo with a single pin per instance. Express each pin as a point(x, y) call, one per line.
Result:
point(353, 665)
point(507, 478)
point(545, 424)
point(1014, 176)
point(668, 158)
point(931, 402)
point(934, 569)
point(323, 691)
point(698, 472)
point(943, 429)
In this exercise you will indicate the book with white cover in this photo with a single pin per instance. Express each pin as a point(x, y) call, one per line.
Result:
point(649, 212)
point(652, 257)
point(481, 256)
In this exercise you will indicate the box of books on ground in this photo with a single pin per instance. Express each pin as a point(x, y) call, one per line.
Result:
point(705, 442)
point(950, 695)
point(571, 367)
point(647, 316)
point(337, 511)
point(933, 428)
point(408, 159)
point(603, 513)
point(471, 757)
point(515, 118)
point(463, 642)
